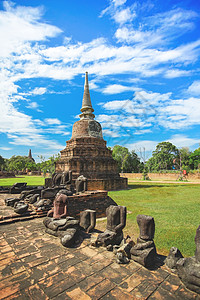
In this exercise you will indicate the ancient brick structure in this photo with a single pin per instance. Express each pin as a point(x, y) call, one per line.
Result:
point(86, 152)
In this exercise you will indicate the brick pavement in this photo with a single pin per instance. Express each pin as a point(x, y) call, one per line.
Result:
point(34, 265)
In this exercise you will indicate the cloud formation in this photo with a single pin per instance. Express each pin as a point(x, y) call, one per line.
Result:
point(140, 48)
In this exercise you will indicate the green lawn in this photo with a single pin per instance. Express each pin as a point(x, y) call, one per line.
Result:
point(175, 208)
point(31, 180)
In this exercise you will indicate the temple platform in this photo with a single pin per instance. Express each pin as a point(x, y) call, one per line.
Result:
point(34, 265)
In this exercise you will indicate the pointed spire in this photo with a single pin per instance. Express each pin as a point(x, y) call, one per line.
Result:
point(86, 109)
point(29, 154)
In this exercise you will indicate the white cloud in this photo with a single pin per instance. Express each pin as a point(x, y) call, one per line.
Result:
point(119, 2)
point(20, 24)
point(148, 146)
point(176, 73)
point(187, 109)
point(34, 140)
point(5, 148)
point(194, 88)
point(146, 54)
point(111, 133)
point(33, 105)
point(124, 16)
point(183, 141)
point(142, 131)
point(39, 91)
point(128, 35)
point(141, 145)
point(121, 105)
point(52, 121)
point(153, 98)
point(117, 88)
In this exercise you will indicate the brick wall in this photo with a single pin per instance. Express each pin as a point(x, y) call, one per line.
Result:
point(107, 184)
point(160, 176)
point(97, 201)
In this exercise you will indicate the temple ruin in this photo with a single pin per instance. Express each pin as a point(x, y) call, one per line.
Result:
point(86, 152)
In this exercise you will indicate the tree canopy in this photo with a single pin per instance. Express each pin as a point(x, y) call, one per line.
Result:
point(2, 163)
point(21, 163)
point(194, 159)
point(163, 157)
point(127, 161)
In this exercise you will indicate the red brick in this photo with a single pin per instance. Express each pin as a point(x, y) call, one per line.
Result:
point(101, 289)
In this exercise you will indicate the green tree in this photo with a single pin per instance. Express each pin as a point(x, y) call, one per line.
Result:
point(21, 163)
point(127, 161)
point(48, 166)
point(194, 159)
point(183, 160)
point(2, 163)
point(163, 157)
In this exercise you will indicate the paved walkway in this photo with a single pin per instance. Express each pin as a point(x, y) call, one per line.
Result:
point(34, 265)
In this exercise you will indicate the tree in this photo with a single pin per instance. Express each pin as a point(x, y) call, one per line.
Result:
point(21, 163)
point(48, 165)
point(163, 157)
point(2, 163)
point(194, 159)
point(182, 161)
point(127, 161)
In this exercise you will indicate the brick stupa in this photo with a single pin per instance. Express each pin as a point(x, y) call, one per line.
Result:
point(86, 152)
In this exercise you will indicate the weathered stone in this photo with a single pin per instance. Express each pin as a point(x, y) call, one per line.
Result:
point(147, 227)
point(20, 207)
point(189, 272)
point(11, 201)
point(43, 204)
point(197, 241)
point(122, 252)
point(173, 257)
point(88, 220)
point(116, 221)
point(81, 184)
point(33, 198)
point(145, 257)
point(49, 193)
point(66, 177)
point(144, 252)
point(59, 207)
point(189, 268)
point(58, 224)
point(66, 229)
point(56, 179)
point(121, 257)
point(24, 194)
point(17, 187)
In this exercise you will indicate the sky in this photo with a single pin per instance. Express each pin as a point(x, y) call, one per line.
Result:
point(143, 61)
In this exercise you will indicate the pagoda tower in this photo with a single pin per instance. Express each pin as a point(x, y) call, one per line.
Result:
point(30, 155)
point(86, 152)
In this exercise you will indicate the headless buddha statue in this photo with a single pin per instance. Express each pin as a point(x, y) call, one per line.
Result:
point(59, 224)
point(116, 221)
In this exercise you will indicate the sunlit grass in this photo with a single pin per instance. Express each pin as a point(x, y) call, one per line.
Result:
point(31, 180)
point(175, 208)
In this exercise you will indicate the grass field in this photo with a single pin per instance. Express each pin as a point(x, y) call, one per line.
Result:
point(175, 208)
point(31, 180)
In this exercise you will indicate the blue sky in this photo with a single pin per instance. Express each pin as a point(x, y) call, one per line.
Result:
point(143, 63)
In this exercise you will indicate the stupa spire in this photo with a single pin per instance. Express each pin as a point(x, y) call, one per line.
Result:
point(86, 109)
point(30, 155)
